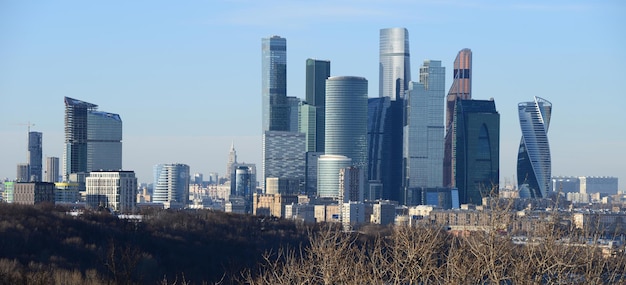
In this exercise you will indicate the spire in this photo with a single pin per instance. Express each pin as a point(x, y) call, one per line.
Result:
point(232, 146)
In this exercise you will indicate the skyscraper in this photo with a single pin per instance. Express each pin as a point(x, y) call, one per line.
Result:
point(171, 185)
point(284, 156)
point(394, 67)
point(232, 159)
point(424, 130)
point(274, 84)
point(328, 174)
point(461, 89)
point(75, 154)
point(476, 148)
point(35, 156)
point(317, 71)
point(22, 173)
point(52, 170)
point(104, 141)
point(533, 159)
point(346, 118)
point(293, 106)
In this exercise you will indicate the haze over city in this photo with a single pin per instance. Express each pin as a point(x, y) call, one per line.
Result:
point(186, 78)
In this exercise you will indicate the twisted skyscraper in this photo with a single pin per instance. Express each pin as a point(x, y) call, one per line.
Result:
point(533, 159)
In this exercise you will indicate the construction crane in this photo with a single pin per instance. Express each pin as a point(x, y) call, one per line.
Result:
point(29, 124)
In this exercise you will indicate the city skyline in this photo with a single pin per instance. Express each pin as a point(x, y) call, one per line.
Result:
point(158, 71)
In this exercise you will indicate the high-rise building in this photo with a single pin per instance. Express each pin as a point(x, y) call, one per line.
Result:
point(317, 71)
point(476, 149)
point(171, 185)
point(328, 185)
point(115, 190)
point(461, 89)
point(394, 64)
point(104, 141)
point(275, 110)
point(384, 138)
point(251, 176)
point(534, 168)
point(52, 170)
point(424, 130)
point(284, 156)
point(232, 159)
point(293, 105)
point(22, 172)
point(75, 154)
point(310, 178)
point(351, 184)
point(35, 156)
point(346, 118)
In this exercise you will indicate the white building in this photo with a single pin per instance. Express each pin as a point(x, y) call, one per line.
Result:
point(115, 190)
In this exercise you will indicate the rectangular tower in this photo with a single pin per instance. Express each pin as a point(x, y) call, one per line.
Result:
point(75, 155)
point(104, 141)
point(115, 190)
point(283, 155)
point(317, 71)
point(52, 170)
point(275, 112)
point(35, 156)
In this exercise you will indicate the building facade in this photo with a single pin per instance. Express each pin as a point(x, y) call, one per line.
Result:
point(35, 145)
point(284, 156)
point(104, 141)
point(171, 185)
point(317, 71)
point(32, 193)
point(346, 118)
point(22, 174)
point(328, 183)
point(275, 112)
point(534, 164)
point(394, 63)
point(75, 154)
point(52, 170)
point(423, 129)
point(115, 190)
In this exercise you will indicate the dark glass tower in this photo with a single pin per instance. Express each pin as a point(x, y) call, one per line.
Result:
point(35, 156)
point(533, 159)
point(317, 71)
point(75, 156)
point(476, 147)
point(461, 89)
point(274, 84)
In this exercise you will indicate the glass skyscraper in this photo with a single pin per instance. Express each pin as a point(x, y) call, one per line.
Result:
point(171, 185)
point(52, 170)
point(476, 147)
point(394, 64)
point(284, 156)
point(533, 159)
point(328, 174)
point(104, 141)
point(75, 154)
point(461, 89)
point(317, 71)
point(424, 130)
point(275, 110)
point(35, 156)
point(346, 118)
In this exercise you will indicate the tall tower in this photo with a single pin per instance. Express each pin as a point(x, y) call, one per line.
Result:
point(394, 67)
point(75, 154)
point(171, 185)
point(35, 156)
point(52, 170)
point(232, 159)
point(476, 148)
point(317, 71)
point(346, 118)
point(533, 159)
point(274, 84)
point(424, 130)
point(104, 141)
point(461, 89)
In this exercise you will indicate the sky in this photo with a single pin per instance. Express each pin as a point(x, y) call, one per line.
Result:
point(185, 76)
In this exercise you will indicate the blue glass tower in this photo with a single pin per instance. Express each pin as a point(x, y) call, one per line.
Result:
point(274, 84)
point(533, 158)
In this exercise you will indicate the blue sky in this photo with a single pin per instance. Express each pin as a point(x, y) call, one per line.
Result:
point(185, 76)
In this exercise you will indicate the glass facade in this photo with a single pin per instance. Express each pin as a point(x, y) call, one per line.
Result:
point(275, 112)
point(424, 130)
point(476, 147)
point(104, 141)
point(317, 71)
point(533, 159)
point(328, 185)
point(394, 64)
point(171, 184)
point(75, 155)
point(346, 118)
point(35, 156)
point(283, 155)
point(52, 169)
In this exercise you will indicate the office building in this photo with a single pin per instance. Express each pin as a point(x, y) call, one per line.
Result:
point(52, 170)
point(7, 194)
point(384, 151)
point(461, 89)
point(476, 150)
point(351, 184)
point(67, 192)
point(293, 105)
point(32, 193)
point(310, 178)
point(275, 112)
point(75, 154)
point(104, 141)
point(317, 71)
point(35, 156)
point(394, 63)
point(346, 118)
point(251, 176)
point(171, 185)
point(328, 182)
point(22, 173)
point(594, 184)
point(284, 157)
point(534, 166)
point(243, 182)
point(113, 190)
point(423, 129)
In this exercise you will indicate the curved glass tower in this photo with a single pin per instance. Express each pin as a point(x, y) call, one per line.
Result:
point(346, 118)
point(394, 66)
point(171, 184)
point(533, 159)
point(328, 174)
